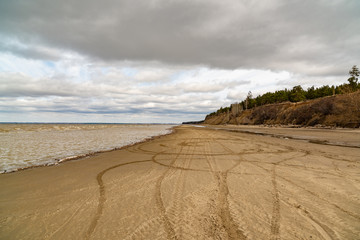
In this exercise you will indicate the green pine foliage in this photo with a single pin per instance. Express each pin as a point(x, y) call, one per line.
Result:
point(298, 94)
point(221, 110)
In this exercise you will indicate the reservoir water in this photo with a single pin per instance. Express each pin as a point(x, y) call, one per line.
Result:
point(28, 145)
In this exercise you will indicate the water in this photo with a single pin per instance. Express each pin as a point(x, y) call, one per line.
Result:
point(27, 145)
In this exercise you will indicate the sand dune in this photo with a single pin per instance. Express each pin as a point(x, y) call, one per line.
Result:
point(197, 183)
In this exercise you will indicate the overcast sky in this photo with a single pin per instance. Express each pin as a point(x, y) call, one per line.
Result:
point(165, 60)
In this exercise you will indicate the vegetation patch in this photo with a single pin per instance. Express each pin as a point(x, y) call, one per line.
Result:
point(329, 106)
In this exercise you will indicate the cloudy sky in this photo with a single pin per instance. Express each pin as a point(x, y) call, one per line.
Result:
point(165, 60)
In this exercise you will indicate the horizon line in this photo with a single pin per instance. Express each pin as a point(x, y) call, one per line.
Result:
point(83, 123)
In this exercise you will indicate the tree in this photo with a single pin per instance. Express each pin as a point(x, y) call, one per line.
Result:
point(248, 100)
point(353, 80)
point(311, 93)
point(297, 94)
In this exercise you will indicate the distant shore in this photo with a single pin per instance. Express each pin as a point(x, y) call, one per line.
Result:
point(213, 182)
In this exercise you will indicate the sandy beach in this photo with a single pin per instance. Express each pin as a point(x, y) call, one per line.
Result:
point(197, 183)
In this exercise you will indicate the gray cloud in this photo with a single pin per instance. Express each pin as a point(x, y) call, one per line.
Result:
point(20, 94)
point(303, 36)
point(30, 52)
point(16, 85)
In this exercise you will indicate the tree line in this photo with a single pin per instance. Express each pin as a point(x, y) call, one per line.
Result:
point(298, 94)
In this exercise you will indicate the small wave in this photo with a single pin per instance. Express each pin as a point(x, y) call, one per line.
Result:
point(35, 149)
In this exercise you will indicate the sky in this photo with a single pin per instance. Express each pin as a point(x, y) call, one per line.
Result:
point(165, 61)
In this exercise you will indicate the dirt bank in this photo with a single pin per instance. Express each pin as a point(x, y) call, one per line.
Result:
point(336, 111)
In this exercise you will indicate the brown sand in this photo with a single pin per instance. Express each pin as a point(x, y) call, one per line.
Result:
point(197, 183)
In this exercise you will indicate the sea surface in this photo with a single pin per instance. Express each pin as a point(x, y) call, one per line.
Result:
point(28, 145)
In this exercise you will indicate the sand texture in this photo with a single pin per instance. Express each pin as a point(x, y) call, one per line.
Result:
point(197, 183)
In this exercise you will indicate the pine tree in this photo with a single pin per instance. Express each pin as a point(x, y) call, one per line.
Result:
point(353, 80)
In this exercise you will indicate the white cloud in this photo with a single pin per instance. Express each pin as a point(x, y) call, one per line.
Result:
point(124, 89)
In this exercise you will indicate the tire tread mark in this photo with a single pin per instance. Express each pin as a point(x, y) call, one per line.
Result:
point(176, 210)
point(169, 228)
point(275, 219)
point(223, 209)
point(102, 196)
point(231, 228)
point(314, 194)
point(315, 223)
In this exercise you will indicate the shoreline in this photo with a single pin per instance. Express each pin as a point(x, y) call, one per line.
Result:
point(86, 155)
point(225, 127)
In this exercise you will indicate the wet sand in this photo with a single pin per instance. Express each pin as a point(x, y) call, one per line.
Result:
point(197, 183)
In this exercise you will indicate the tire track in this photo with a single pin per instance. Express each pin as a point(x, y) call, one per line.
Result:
point(169, 227)
point(314, 194)
point(177, 155)
point(276, 197)
point(177, 208)
point(216, 154)
point(102, 196)
point(276, 214)
point(162, 219)
point(145, 228)
point(322, 198)
point(275, 219)
point(222, 203)
point(204, 170)
point(233, 230)
point(207, 149)
point(305, 214)
point(224, 212)
point(176, 211)
point(69, 219)
point(336, 172)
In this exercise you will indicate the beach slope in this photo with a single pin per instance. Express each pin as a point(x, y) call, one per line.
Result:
point(197, 183)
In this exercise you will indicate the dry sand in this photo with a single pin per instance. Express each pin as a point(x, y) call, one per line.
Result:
point(197, 183)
